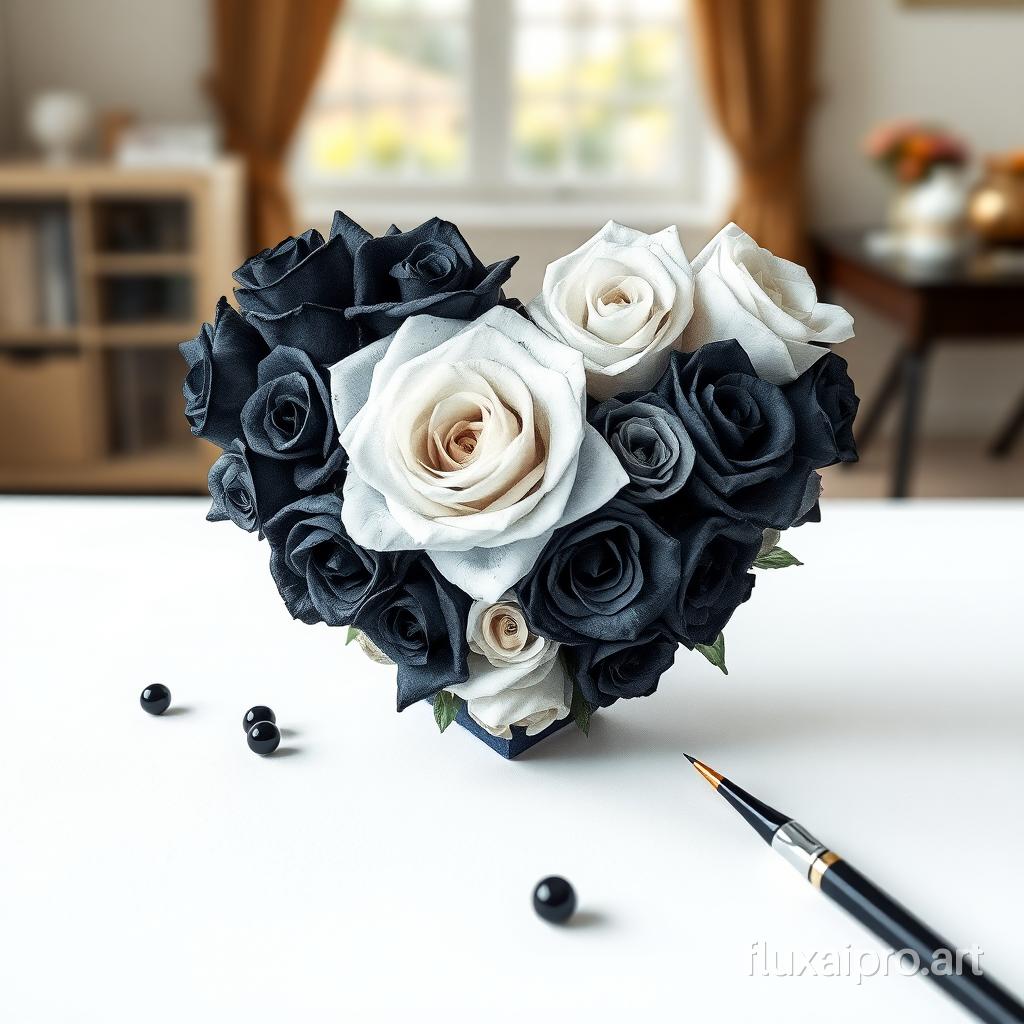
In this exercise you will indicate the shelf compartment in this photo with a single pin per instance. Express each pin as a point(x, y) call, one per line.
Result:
point(145, 394)
point(148, 299)
point(37, 285)
point(142, 225)
point(49, 410)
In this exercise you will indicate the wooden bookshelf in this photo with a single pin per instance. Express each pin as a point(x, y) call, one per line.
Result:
point(106, 270)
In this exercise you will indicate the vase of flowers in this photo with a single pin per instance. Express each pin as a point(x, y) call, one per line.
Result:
point(928, 211)
point(528, 509)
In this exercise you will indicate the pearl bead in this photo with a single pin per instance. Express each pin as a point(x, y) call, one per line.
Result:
point(155, 699)
point(554, 899)
point(258, 713)
point(263, 738)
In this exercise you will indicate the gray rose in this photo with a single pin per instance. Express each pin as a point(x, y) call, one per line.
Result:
point(650, 442)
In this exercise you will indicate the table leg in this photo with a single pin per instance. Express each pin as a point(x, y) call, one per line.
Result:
point(1007, 437)
point(913, 379)
point(872, 418)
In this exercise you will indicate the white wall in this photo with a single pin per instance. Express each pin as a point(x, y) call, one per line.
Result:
point(960, 65)
point(148, 56)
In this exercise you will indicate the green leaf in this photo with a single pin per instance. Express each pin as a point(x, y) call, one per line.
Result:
point(580, 710)
point(351, 635)
point(446, 707)
point(715, 653)
point(777, 558)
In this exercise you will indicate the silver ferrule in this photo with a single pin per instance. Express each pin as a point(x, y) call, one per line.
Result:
point(798, 846)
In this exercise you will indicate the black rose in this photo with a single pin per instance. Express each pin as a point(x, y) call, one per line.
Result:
point(650, 442)
point(322, 574)
point(288, 416)
point(609, 671)
point(418, 619)
point(296, 293)
point(715, 577)
point(222, 361)
point(825, 405)
point(744, 432)
point(606, 577)
point(249, 489)
point(430, 269)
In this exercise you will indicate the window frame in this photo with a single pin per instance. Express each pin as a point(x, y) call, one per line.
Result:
point(490, 194)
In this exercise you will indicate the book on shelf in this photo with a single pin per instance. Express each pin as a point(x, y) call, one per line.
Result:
point(57, 305)
point(36, 287)
point(19, 282)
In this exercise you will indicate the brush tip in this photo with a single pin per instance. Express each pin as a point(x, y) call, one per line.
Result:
point(708, 773)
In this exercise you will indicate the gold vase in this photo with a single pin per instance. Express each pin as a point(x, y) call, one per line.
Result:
point(996, 208)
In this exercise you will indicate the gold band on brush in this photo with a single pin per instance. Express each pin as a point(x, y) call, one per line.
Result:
point(823, 862)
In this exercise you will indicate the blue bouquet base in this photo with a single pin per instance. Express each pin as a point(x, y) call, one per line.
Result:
point(519, 742)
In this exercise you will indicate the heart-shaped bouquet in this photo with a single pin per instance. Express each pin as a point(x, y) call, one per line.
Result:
point(527, 508)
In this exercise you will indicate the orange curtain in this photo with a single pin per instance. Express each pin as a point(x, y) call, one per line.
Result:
point(759, 61)
point(267, 54)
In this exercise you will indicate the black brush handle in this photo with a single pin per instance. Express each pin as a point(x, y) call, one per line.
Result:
point(902, 930)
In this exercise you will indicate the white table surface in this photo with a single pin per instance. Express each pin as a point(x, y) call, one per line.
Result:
point(154, 869)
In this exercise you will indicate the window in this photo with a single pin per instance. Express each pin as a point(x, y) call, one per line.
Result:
point(505, 102)
point(392, 101)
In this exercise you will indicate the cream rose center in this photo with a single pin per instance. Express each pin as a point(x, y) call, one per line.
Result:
point(504, 628)
point(455, 431)
point(470, 439)
point(617, 305)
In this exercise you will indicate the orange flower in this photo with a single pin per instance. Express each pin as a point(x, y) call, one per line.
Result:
point(910, 169)
point(919, 146)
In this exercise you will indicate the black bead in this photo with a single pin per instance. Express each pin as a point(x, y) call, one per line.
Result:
point(554, 899)
point(258, 713)
point(155, 699)
point(263, 738)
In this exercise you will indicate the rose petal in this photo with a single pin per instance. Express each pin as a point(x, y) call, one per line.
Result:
point(768, 304)
point(625, 349)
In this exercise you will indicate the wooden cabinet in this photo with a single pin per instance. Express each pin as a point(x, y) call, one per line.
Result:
point(103, 271)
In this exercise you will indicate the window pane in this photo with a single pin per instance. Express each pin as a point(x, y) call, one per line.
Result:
point(391, 97)
point(643, 141)
point(386, 136)
point(440, 51)
point(334, 140)
point(616, 70)
point(651, 55)
point(596, 130)
point(599, 66)
point(442, 9)
point(382, 64)
point(540, 10)
point(617, 11)
point(539, 136)
point(541, 58)
point(439, 138)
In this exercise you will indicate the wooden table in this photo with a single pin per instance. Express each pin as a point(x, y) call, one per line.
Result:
point(979, 296)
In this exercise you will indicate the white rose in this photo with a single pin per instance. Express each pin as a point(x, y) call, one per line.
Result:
point(468, 441)
point(621, 300)
point(515, 677)
point(767, 304)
